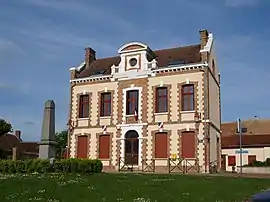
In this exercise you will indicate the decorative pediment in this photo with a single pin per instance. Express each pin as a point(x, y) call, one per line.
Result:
point(133, 46)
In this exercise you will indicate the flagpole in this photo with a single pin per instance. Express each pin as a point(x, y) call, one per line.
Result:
point(239, 128)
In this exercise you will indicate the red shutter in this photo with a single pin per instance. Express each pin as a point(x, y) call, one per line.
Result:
point(161, 145)
point(104, 146)
point(251, 159)
point(231, 161)
point(188, 144)
point(82, 147)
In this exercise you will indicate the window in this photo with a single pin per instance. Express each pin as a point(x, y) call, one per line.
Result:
point(161, 99)
point(213, 68)
point(105, 105)
point(84, 106)
point(188, 97)
point(104, 146)
point(188, 144)
point(251, 159)
point(244, 130)
point(231, 161)
point(161, 145)
point(132, 102)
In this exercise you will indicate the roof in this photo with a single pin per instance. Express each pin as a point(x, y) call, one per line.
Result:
point(8, 141)
point(188, 54)
point(233, 141)
point(254, 126)
point(29, 147)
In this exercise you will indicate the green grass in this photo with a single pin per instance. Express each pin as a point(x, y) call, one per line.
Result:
point(127, 187)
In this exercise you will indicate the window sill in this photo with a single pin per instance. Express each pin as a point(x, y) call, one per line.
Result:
point(105, 117)
point(187, 112)
point(161, 113)
point(160, 158)
point(129, 115)
point(81, 119)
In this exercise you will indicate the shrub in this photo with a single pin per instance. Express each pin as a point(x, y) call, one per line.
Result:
point(44, 166)
point(259, 163)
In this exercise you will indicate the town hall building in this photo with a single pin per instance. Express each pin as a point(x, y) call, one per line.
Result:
point(144, 109)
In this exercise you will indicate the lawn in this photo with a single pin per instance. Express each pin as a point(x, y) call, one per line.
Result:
point(126, 187)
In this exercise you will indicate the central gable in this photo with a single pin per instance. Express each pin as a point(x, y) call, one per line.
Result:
point(133, 58)
point(132, 46)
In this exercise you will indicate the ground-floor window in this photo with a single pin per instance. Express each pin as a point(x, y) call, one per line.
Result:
point(188, 144)
point(231, 161)
point(82, 147)
point(161, 145)
point(104, 146)
point(251, 159)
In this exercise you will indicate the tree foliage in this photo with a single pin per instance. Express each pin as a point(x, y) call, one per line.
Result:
point(61, 139)
point(5, 127)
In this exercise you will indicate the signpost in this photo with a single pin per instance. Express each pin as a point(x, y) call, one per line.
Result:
point(239, 130)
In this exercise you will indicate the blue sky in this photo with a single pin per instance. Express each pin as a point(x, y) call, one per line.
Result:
point(41, 39)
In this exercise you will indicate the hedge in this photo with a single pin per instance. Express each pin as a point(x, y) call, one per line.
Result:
point(44, 166)
point(265, 163)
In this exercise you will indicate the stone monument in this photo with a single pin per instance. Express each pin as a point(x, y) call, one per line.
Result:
point(47, 145)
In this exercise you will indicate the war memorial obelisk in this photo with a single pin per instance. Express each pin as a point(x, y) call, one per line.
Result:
point(48, 144)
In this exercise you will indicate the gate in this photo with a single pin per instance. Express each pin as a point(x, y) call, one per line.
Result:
point(183, 165)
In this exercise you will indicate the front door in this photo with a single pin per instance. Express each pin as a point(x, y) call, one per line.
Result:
point(223, 162)
point(131, 148)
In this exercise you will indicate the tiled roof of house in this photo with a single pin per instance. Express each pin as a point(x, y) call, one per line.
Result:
point(253, 126)
point(233, 141)
point(29, 147)
point(188, 54)
point(8, 141)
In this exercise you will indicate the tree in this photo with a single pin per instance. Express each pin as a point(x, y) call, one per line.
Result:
point(5, 127)
point(61, 139)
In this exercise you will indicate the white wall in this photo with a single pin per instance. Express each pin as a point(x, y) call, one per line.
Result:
point(262, 153)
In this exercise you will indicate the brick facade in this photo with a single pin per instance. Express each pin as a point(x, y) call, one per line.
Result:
point(174, 121)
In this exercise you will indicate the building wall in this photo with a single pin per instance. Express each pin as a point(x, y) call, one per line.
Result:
point(175, 82)
point(214, 114)
point(146, 142)
point(262, 153)
point(175, 121)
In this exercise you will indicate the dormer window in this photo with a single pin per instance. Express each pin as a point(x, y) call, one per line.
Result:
point(132, 62)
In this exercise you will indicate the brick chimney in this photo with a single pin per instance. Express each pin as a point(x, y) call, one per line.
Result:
point(203, 37)
point(90, 56)
point(18, 133)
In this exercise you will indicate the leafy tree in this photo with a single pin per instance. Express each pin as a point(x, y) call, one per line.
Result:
point(5, 127)
point(61, 139)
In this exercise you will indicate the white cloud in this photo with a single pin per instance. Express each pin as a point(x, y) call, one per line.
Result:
point(87, 12)
point(238, 3)
point(4, 86)
point(56, 40)
point(8, 48)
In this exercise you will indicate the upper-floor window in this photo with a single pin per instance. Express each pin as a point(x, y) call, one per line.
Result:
point(161, 99)
point(84, 106)
point(188, 97)
point(213, 68)
point(105, 105)
point(132, 102)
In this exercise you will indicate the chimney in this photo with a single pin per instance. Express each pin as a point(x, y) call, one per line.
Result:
point(203, 37)
point(18, 134)
point(90, 56)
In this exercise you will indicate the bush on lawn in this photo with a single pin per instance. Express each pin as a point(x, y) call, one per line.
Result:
point(44, 166)
point(265, 163)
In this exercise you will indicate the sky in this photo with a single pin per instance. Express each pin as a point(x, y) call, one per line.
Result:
point(41, 39)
